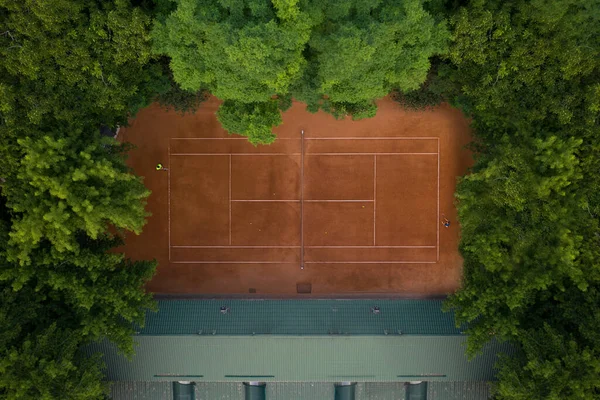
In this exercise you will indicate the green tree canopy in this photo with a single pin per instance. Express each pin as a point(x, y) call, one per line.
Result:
point(39, 358)
point(75, 60)
point(71, 183)
point(521, 62)
point(361, 50)
point(49, 309)
point(560, 349)
point(528, 73)
point(339, 56)
point(245, 52)
point(526, 228)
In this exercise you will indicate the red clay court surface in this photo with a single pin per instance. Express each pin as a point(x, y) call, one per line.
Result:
point(349, 207)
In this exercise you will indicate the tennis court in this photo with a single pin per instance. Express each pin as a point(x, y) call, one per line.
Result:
point(349, 209)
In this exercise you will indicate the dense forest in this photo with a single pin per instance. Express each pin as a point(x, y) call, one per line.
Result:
point(527, 72)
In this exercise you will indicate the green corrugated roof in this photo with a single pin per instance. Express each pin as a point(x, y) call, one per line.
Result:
point(299, 317)
point(301, 391)
point(296, 358)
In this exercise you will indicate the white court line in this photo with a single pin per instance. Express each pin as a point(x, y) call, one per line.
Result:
point(302, 199)
point(234, 262)
point(224, 138)
point(235, 154)
point(338, 201)
point(265, 201)
point(321, 138)
point(230, 199)
point(438, 202)
point(372, 154)
point(374, 197)
point(236, 247)
point(374, 138)
point(371, 247)
point(305, 262)
point(169, 197)
point(370, 262)
point(300, 154)
point(298, 201)
point(307, 247)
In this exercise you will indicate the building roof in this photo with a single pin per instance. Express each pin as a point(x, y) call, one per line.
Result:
point(300, 341)
point(300, 317)
point(300, 391)
point(301, 358)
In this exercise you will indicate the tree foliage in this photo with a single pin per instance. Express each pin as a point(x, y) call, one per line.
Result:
point(534, 59)
point(75, 60)
point(528, 73)
point(255, 120)
point(339, 56)
point(50, 308)
point(360, 50)
point(39, 359)
point(69, 184)
point(66, 68)
point(244, 52)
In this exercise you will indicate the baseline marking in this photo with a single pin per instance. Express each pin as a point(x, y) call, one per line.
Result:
point(438, 201)
point(169, 198)
point(374, 197)
point(302, 199)
point(230, 200)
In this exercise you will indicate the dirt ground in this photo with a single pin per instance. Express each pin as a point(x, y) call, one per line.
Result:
point(349, 207)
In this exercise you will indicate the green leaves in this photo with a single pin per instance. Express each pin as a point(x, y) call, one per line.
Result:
point(77, 60)
point(255, 120)
point(65, 185)
point(336, 56)
point(531, 59)
point(526, 72)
